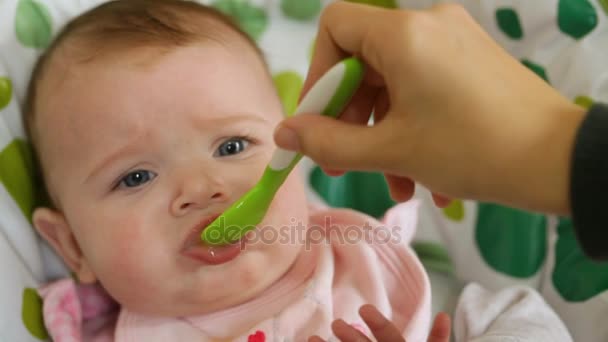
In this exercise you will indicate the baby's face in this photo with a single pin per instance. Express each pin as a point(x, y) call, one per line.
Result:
point(141, 158)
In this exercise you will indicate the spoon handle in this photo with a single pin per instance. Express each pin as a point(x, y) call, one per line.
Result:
point(328, 97)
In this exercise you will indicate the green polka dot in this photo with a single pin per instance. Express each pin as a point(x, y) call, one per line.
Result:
point(433, 256)
point(16, 173)
point(251, 19)
point(604, 4)
point(511, 241)
point(584, 101)
point(301, 9)
point(576, 18)
point(6, 91)
point(288, 84)
point(508, 22)
point(576, 277)
point(454, 211)
point(31, 314)
point(33, 24)
point(539, 70)
point(381, 3)
point(362, 191)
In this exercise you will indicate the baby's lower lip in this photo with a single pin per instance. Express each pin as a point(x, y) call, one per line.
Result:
point(214, 255)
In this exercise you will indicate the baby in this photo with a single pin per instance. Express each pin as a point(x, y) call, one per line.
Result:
point(149, 118)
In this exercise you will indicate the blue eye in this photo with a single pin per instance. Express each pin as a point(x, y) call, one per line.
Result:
point(232, 146)
point(137, 178)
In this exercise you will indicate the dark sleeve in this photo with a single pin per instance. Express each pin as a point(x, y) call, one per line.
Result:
point(589, 183)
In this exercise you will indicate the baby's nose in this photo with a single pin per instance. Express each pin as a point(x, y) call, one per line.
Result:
point(198, 193)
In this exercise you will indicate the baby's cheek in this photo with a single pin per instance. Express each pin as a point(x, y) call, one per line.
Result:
point(123, 261)
point(290, 202)
point(109, 247)
point(124, 245)
point(128, 264)
point(265, 266)
point(250, 275)
point(131, 278)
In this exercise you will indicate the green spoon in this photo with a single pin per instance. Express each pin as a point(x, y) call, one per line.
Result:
point(327, 97)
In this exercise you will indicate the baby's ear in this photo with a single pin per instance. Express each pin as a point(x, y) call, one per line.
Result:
point(54, 228)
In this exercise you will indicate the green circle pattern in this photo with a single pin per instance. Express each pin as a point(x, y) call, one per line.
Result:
point(33, 24)
point(31, 314)
point(508, 22)
point(511, 241)
point(454, 211)
point(301, 9)
point(433, 256)
point(576, 18)
point(604, 4)
point(584, 101)
point(379, 3)
point(250, 18)
point(576, 277)
point(17, 175)
point(6, 91)
point(288, 85)
point(352, 190)
point(536, 68)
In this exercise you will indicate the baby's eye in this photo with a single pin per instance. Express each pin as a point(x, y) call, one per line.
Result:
point(136, 178)
point(232, 146)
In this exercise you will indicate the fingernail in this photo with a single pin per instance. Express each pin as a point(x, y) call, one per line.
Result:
point(286, 138)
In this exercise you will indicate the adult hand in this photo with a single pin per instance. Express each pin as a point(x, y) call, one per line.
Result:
point(383, 330)
point(452, 110)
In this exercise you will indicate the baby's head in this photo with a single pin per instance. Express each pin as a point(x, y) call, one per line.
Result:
point(149, 118)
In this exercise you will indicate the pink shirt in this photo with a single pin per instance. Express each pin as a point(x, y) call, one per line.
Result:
point(329, 280)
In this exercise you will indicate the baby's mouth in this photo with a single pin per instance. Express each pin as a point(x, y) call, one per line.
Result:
point(212, 255)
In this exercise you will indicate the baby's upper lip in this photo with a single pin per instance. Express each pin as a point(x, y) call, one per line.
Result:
point(194, 236)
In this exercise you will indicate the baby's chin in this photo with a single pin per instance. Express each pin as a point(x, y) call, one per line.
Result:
point(243, 280)
point(258, 271)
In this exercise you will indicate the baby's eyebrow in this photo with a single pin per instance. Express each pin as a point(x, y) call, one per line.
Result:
point(231, 118)
point(129, 148)
point(224, 119)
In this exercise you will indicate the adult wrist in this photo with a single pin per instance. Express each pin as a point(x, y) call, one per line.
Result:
point(537, 166)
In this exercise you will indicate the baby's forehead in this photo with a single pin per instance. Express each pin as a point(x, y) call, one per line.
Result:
point(80, 54)
point(186, 88)
point(196, 67)
point(208, 78)
point(138, 34)
point(82, 50)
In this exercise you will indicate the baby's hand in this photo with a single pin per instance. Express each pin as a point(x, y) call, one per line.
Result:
point(383, 330)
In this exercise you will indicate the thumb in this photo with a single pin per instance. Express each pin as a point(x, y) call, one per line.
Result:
point(336, 144)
